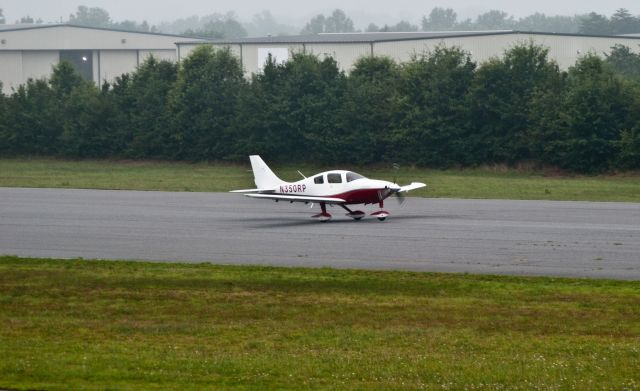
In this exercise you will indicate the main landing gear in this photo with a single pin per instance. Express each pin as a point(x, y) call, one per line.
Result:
point(354, 214)
point(323, 216)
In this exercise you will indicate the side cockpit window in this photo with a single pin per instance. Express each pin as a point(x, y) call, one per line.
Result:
point(352, 176)
point(318, 180)
point(334, 178)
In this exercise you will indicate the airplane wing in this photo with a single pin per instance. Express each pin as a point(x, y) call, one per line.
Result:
point(298, 198)
point(412, 186)
point(252, 191)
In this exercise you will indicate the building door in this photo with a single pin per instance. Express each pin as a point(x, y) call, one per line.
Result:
point(82, 60)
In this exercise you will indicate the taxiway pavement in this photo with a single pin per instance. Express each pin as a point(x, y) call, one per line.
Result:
point(577, 239)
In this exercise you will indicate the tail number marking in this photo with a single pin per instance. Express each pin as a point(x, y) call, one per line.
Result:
point(293, 188)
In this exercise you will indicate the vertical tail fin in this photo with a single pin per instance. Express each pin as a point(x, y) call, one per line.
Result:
point(262, 174)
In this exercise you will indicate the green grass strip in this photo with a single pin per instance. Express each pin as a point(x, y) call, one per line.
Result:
point(77, 324)
point(497, 182)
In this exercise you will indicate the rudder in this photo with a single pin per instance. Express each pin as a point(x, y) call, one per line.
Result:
point(262, 174)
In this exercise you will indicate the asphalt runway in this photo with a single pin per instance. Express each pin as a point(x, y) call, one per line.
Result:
point(579, 239)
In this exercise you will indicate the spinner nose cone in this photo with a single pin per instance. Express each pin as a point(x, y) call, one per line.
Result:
point(394, 187)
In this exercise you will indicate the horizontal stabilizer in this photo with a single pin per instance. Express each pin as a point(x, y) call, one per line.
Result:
point(412, 186)
point(298, 198)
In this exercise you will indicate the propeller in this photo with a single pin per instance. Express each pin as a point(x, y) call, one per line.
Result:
point(399, 196)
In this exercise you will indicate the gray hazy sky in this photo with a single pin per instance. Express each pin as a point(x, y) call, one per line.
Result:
point(299, 11)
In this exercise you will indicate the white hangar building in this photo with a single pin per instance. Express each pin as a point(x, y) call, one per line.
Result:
point(30, 51)
point(346, 48)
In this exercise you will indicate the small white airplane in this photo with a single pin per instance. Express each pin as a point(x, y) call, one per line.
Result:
point(336, 187)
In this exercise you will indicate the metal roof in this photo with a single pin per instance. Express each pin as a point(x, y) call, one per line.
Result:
point(21, 27)
point(384, 37)
point(356, 37)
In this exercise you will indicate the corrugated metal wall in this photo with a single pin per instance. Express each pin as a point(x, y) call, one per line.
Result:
point(31, 53)
point(16, 67)
point(564, 49)
point(346, 54)
point(250, 56)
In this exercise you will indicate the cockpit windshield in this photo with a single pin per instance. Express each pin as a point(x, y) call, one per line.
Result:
point(352, 176)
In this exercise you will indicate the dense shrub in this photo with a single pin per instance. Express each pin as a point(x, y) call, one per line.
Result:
point(438, 109)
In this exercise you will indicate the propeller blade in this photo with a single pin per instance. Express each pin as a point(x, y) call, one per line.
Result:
point(396, 167)
point(401, 198)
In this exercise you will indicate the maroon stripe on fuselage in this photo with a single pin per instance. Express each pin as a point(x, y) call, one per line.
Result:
point(360, 196)
point(363, 196)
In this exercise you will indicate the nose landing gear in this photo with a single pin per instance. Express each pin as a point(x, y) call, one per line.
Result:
point(381, 214)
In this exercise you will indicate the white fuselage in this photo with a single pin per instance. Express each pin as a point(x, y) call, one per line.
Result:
point(352, 187)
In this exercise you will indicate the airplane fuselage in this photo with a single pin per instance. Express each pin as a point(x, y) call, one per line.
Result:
point(351, 187)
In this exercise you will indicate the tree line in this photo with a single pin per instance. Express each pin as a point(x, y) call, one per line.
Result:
point(228, 26)
point(440, 109)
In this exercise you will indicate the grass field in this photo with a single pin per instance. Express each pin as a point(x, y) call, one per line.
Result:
point(496, 183)
point(74, 324)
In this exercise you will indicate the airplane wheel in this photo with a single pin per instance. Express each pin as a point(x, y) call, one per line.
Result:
point(381, 218)
point(357, 218)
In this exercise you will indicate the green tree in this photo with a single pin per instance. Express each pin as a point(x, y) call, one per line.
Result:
point(337, 22)
point(64, 79)
point(622, 22)
point(263, 126)
point(120, 97)
point(203, 105)
point(494, 20)
point(596, 24)
point(546, 120)
point(291, 111)
point(264, 24)
point(401, 26)
point(314, 89)
point(629, 147)
point(552, 24)
point(500, 97)
point(145, 99)
point(440, 19)
point(431, 107)
point(315, 25)
point(219, 27)
point(372, 28)
point(38, 111)
point(598, 109)
point(5, 135)
point(367, 110)
point(91, 17)
point(624, 61)
point(28, 20)
point(131, 25)
point(32, 120)
point(89, 124)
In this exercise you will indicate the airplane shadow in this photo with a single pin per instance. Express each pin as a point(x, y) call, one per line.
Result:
point(289, 222)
